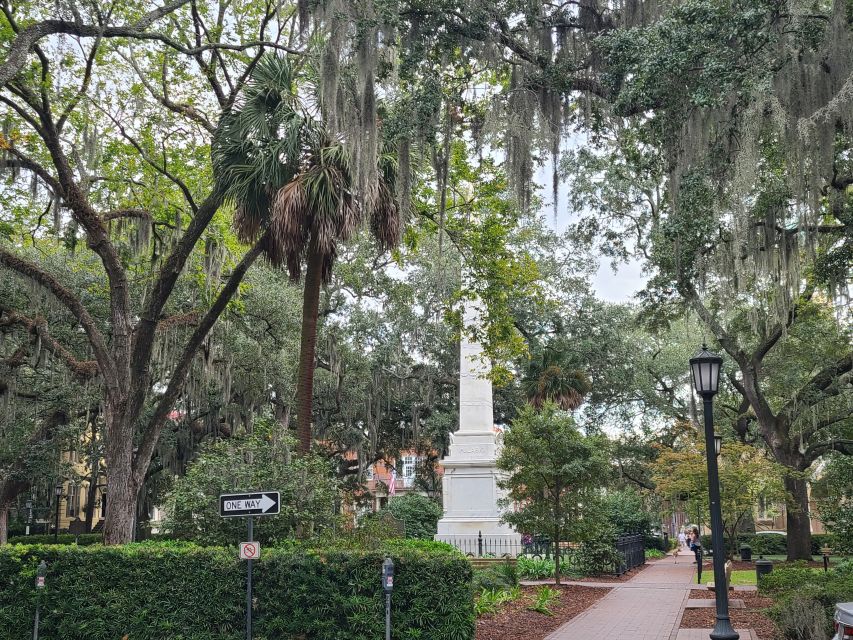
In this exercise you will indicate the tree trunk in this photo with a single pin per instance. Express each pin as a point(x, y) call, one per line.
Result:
point(95, 466)
point(557, 558)
point(122, 490)
point(4, 523)
point(308, 347)
point(798, 522)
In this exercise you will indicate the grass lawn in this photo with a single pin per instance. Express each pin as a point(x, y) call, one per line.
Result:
point(743, 577)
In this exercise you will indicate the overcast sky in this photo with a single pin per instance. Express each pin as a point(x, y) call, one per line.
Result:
point(609, 286)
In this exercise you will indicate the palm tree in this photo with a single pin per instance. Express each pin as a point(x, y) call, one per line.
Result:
point(290, 178)
point(549, 380)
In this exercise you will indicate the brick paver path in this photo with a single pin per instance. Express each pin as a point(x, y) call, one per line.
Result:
point(646, 607)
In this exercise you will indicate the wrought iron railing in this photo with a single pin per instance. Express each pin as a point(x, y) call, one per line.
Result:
point(633, 551)
point(630, 547)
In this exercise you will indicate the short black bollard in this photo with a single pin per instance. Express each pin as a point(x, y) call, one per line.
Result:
point(387, 587)
point(40, 578)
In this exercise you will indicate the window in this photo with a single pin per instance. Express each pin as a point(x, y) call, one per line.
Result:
point(369, 472)
point(410, 464)
point(72, 500)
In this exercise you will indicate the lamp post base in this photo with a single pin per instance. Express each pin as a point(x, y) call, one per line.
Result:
point(723, 630)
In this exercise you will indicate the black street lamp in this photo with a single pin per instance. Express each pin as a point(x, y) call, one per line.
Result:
point(57, 491)
point(706, 378)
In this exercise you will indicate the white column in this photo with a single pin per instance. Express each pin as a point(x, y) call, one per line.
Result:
point(470, 482)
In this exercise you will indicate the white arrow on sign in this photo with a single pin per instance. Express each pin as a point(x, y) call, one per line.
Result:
point(267, 503)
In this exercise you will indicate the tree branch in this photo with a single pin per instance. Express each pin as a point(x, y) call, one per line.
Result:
point(38, 327)
point(179, 374)
point(72, 303)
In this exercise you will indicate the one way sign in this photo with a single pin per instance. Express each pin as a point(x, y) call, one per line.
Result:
point(265, 503)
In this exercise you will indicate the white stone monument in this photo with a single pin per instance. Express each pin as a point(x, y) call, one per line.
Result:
point(469, 486)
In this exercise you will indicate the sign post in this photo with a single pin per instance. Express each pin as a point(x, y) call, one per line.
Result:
point(388, 587)
point(40, 576)
point(249, 505)
point(249, 584)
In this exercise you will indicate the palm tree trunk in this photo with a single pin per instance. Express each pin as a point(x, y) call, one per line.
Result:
point(308, 347)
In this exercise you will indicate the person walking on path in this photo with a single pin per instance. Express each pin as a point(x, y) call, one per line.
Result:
point(682, 540)
point(696, 548)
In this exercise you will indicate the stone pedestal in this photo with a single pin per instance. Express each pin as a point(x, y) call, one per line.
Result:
point(469, 486)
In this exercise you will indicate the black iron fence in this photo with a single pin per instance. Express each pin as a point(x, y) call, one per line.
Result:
point(631, 548)
point(480, 546)
point(633, 551)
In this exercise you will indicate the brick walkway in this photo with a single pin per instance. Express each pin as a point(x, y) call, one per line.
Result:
point(647, 607)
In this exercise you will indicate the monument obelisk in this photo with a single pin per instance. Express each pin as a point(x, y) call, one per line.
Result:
point(470, 483)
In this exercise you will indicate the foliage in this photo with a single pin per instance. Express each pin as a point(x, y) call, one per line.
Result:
point(545, 597)
point(261, 461)
point(102, 593)
point(535, 568)
point(502, 576)
point(801, 617)
point(833, 490)
point(490, 599)
point(597, 554)
point(654, 554)
point(83, 540)
point(554, 475)
point(627, 513)
point(746, 475)
point(419, 513)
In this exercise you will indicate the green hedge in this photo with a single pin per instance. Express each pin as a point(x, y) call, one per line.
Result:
point(158, 591)
point(800, 590)
point(83, 539)
point(773, 544)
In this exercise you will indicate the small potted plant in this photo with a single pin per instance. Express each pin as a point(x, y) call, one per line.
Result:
point(745, 552)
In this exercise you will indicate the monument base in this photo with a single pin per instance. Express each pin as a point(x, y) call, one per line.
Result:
point(472, 515)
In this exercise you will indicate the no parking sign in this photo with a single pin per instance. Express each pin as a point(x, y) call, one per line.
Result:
point(250, 550)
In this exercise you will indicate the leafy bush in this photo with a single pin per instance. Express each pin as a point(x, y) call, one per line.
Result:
point(83, 540)
point(656, 542)
point(626, 512)
point(502, 576)
point(508, 572)
point(535, 569)
point(652, 554)
point(419, 513)
point(597, 556)
point(179, 591)
point(819, 540)
point(790, 578)
point(801, 617)
point(307, 484)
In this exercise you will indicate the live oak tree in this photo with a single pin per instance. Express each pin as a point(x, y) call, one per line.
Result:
point(734, 187)
point(554, 476)
point(108, 112)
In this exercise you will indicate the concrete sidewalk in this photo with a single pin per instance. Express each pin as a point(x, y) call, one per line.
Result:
point(646, 607)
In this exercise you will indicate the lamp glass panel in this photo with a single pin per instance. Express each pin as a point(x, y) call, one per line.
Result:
point(697, 381)
point(714, 372)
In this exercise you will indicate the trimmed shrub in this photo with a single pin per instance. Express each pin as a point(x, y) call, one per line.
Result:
point(419, 513)
point(179, 591)
point(84, 539)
